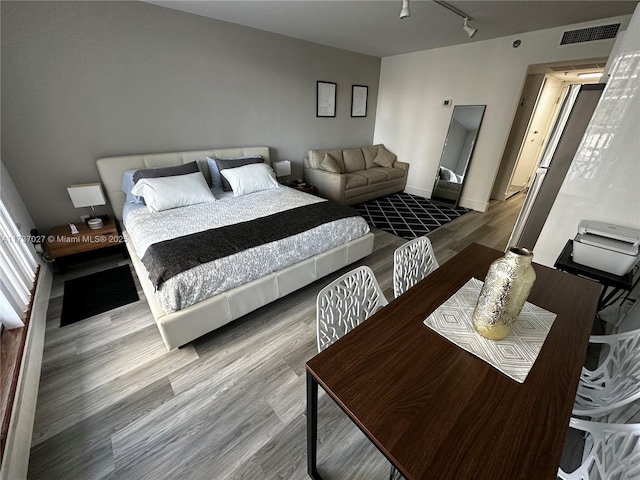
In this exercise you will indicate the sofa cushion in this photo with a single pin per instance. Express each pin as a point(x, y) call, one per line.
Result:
point(329, 164)
point(354, 180)
point(317, 156)
point(353, 160)
point(390, 173)
point(372, 176)
point(369, 152)
point(384, 158)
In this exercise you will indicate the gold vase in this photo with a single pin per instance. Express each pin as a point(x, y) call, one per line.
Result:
point(506, 288)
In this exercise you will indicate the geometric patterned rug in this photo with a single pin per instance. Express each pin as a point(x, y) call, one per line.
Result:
point(407, 216)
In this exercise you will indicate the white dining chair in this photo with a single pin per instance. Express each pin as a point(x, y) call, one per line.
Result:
point(612, 451)
point(411, 263)
point(629, 320)
point(345, 303)
point(616, 381)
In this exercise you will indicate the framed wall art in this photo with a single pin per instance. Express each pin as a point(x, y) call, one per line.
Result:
point(359, 95)
point(326, 99)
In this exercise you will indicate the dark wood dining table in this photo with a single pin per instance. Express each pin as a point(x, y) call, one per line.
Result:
point(437, 411)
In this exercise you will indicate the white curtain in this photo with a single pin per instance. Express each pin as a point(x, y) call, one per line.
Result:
point(18, 269)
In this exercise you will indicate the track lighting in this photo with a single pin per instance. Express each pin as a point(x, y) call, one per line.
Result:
point(405, 13)
point(470, 30)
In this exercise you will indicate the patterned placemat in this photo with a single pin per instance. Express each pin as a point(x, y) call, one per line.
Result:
point(515, 355)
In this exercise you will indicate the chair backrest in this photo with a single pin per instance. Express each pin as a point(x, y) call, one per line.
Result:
point(345, 303)
point(411, 263)
point(613, 451)
point(614, 383)
point(629, 320)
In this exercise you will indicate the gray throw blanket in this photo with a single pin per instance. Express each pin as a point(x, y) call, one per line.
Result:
point(165, 259)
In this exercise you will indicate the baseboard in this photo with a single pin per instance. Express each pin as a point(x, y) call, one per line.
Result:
point(473, 204)
point(464, 202)
point(15, 462)
point(421, 192)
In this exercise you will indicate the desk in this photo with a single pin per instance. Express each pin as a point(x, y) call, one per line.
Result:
point(438, 412)
point(607, 280)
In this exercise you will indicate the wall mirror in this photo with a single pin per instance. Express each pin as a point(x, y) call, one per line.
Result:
point(457, 152)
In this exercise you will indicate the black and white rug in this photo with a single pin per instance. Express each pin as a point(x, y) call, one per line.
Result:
point(407, 216)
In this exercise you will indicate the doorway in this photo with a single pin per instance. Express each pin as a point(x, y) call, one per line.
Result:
point(545, 111)
point(540, 100)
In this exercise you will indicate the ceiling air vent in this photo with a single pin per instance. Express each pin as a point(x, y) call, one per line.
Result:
point(582, 66)
point(591, 34)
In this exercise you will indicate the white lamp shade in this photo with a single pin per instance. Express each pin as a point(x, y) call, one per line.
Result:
point(86, 195)
point(282, 168)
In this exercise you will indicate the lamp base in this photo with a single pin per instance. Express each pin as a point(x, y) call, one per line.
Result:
point(104, 218)
point(95, 223)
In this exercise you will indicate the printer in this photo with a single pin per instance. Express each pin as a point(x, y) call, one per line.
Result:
point(603, 246)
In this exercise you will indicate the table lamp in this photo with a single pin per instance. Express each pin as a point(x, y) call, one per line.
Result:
point(282, 168)
point(88, 195)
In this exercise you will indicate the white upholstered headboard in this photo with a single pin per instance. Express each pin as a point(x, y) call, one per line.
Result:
point(111, 169)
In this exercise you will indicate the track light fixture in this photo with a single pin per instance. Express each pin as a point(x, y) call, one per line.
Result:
point(470, 30)
point(405, 13)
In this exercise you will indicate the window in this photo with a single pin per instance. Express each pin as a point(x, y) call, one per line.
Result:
point(18, 272)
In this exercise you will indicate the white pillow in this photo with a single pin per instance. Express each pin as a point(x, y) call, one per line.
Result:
point(164, 193)
point(250, 178)
point(448, 175)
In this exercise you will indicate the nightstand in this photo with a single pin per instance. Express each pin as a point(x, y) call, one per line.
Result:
point(61, 242)
point(307, 189)
point(302, 186)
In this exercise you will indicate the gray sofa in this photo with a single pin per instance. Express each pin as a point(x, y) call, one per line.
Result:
point(354, 175)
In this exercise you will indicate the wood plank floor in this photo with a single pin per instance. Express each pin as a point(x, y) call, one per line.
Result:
point(115, 404)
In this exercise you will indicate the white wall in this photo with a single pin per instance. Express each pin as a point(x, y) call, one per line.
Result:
point(412, 123)
point(603, 182)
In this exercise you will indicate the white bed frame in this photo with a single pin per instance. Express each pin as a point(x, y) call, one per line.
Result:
point(181, 327)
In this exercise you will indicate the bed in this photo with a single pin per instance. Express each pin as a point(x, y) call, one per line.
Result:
point(183, 321)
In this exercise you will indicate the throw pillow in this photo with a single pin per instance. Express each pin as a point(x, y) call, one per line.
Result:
point(214, 173)
point(329, 164)
point(369, 152)
point(384, 158)
point(191, 167)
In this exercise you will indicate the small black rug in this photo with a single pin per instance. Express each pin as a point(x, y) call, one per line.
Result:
point(407, 216)
point(97, 293)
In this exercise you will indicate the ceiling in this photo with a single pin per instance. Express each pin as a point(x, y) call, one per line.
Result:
point(374, 27)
